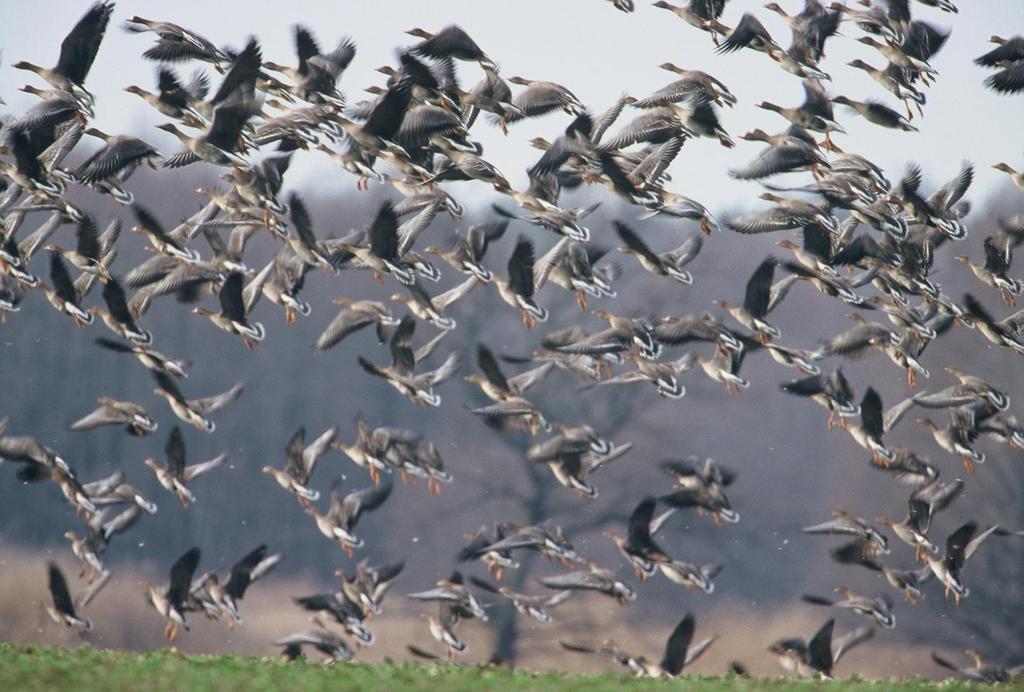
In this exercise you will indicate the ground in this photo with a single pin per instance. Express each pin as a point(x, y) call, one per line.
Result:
point(41, 668)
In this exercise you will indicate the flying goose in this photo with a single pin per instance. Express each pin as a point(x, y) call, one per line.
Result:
point(382, 253)
point(77, 53)
point(814, 114)
point(38, 460)
point(479, 548)
point(401, 374)
point(442, 629)
point(174, 99)
point(232, 106)
point(971, 389)
point(669, 263)
point(664, 375)
point(300, 462)
point(194, 411)
point(454, 591)
point(63, 609)
point(845, 524)
point(431, 308)
point(1007, 332)
point(906, 581)
point(175, 476)
point(706, 496)
point(165, 243)
point(981, 672)
point(304, 242)
point(89, 548)
point(548, 539)
point(995, 270)
point(678, 652)
point(356, 315)
point(450, 42)
point(217, 597)
point(578, 269)
point(518, 289)
point(908, 467)
point(66, 295)
point(638, 546)
point(151, 359)
point(960, 545)
point(112, 165)
point(571, 465)
point(878, 608)
point(507, 393)
point(895, 80)
point(329, 643)
point(702, 15)
point(820, 654)
point(540, 98)
point(368, 585)
point(345, 512)
point(467, 251)
point(702, 487)
point(173, 602)
point(923, 503)
point(756, 302)
point(88, 254)
point(234, 312)
point(534, 607)
point(957, 436)
point(118, 316)
point(594, 578)
point(175, 43)
point(877, 113)
point(118, 494)
point(342, 609)
point(114, 412)
point(317, 73)
point(869, 431)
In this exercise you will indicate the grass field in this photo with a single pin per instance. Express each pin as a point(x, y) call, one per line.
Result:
point(39, 668)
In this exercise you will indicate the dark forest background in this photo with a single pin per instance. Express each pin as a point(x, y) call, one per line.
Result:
point(792, 472)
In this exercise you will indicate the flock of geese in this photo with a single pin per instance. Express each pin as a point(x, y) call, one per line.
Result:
point(868, 243)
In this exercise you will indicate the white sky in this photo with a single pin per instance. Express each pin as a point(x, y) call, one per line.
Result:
point(586, 45)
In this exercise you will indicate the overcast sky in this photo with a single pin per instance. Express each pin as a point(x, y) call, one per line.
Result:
point(586, 45)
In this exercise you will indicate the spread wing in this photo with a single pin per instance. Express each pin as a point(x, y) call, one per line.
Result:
point(232, 304)
point(819, 649)
point(217, 401)
point(956, 546)
point(520, 268)
point(117, 303)
point(678, 642)
point(181, 577)
point(347, 322)
point(293, 465)
point(175, 451)
point(241, 573)
point(759, 286)
point(78, 49)
point(59, 591)
point(489, 365)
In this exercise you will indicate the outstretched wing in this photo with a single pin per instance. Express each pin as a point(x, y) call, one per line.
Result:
point(241, 573)
point(819, 649)
point(59, 591)
point(520, 268)
point(678, 642)
point(175, 451)
point(78, 49)
point(181, 577)
point(489, 365)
